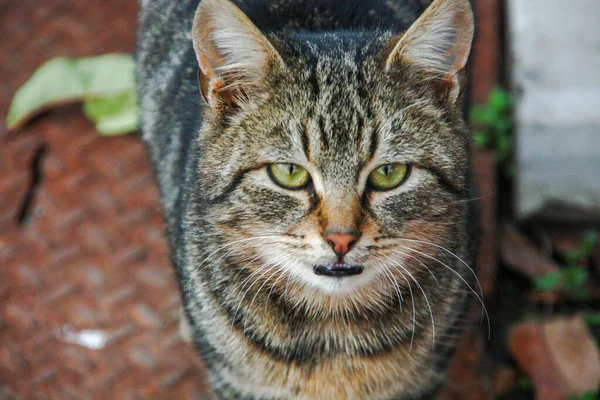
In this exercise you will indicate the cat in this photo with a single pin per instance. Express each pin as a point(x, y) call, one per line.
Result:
point(313, 163)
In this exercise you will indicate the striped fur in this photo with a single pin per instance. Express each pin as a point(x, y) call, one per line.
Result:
point(345, 96)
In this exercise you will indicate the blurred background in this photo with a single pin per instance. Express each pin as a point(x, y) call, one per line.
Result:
point(88, 299)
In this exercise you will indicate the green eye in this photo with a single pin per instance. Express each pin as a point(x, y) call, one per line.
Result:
point(289, 176)
point(388, 176)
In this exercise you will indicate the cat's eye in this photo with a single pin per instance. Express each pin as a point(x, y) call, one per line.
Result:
point(388, 176)
point(289, 176)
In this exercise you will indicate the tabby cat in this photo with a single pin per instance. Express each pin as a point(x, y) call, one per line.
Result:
point(314, 169)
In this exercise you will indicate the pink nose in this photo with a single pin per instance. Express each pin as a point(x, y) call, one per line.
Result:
point(341, 243)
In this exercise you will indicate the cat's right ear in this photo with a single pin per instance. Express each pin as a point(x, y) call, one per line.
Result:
point(233, 55)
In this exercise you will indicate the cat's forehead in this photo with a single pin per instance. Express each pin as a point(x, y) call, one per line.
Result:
point(337, 110)
point(329, 99)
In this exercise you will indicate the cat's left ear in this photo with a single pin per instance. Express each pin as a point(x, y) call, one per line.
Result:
point(438, 43)
point(233, 55)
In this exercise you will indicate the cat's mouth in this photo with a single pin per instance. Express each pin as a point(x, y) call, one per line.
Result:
point(338, 269)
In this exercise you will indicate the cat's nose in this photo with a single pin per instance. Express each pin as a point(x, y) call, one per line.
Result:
point(341, 243)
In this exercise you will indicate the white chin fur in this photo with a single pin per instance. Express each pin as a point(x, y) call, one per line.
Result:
point(333, 285)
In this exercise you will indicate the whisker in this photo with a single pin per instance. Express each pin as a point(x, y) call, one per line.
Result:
point(462, 279)
point(284, 271)
point(412, 297)
point(258, 291)
point(426, 299)
point(266, 268)
point(476, 198)
point(420, 262)
point(196, 271)
point(463, 262)
point(392, 280)
point(451, 253)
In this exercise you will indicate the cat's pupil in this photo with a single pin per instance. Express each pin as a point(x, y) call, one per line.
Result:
point(292, 169)
point(386, 169)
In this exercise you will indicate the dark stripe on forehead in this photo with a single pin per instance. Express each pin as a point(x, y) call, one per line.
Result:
point(374, 142)
point(365, 101)
point(322, 133)
point(360, 127)
point(304, 136)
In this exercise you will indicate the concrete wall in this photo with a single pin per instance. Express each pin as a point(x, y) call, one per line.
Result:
point(555, 68)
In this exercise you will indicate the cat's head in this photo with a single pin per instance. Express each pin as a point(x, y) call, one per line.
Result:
point(333, 164)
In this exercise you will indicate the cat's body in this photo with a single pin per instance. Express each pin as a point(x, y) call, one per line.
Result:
point(334, 103)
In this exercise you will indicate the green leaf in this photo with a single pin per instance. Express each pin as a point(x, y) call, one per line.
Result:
point(499, 100)
point(481, 140)
point(502, 125)
point(589, 396)
point(585, 396)
point(592, 318)
point(503, 146)
point(478, 114)
point(56, 81)
point(574, 277)
point(107, 75)
point(549, 282)
point(105, 83)
point(525, 383)
point(588, 241)
point(573, 256)
point(114, 115)
point(483, 115)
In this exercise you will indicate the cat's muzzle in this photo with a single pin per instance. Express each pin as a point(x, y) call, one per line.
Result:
point(338, 269)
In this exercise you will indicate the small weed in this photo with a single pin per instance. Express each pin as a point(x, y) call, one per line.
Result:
point(592, 318)
point(493, 125)
point(525, 383)
point(585, 396)
point(574, 275)
point(588, 241)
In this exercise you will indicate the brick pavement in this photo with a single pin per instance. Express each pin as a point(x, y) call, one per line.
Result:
point(81, 232)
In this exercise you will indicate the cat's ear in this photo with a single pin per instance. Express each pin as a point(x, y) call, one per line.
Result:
point(438, 43)
point(233, 55)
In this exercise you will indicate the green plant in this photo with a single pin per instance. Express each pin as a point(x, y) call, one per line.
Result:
point(574, 275)
point(493, 125)
point(585, 396)
point(525, 383)
point(585, 249)
point(592, 318)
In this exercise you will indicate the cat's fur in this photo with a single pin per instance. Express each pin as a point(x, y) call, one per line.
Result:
point(334, 86)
